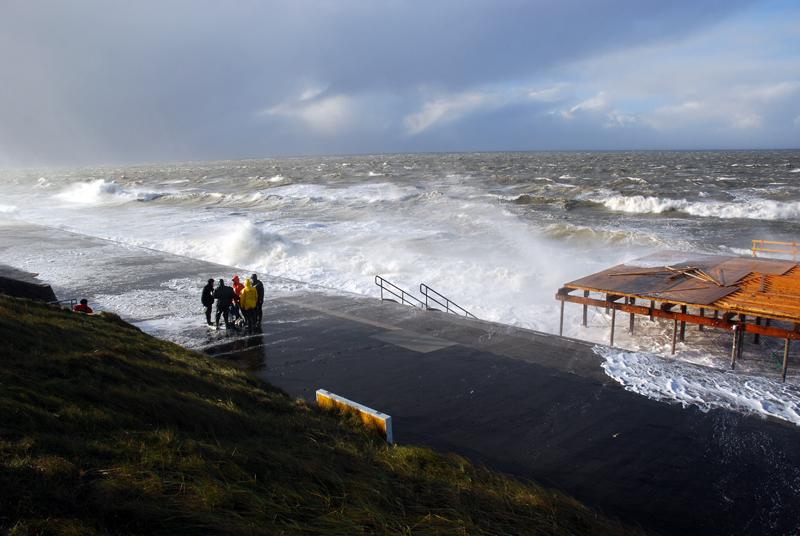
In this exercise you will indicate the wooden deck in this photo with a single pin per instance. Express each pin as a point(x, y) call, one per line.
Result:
point(742, 294)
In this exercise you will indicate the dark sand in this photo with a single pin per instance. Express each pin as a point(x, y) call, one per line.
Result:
point(529, 404)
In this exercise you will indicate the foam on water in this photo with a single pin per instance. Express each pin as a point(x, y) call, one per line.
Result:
point(706, 389)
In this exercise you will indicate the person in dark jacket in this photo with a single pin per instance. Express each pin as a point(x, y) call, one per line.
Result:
point(224, 296)
point(259, 286)
point(208, 299)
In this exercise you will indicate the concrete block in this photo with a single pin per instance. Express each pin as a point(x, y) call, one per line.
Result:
point(371, 418)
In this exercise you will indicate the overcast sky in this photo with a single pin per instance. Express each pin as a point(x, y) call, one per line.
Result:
point(109, 81)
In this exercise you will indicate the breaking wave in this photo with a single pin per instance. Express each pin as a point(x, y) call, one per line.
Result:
point(757, 209)
point(102, 192)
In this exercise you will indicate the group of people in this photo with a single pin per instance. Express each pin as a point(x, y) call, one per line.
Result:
point(236, 303)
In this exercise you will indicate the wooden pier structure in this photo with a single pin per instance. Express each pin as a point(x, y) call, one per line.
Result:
point(739, 294)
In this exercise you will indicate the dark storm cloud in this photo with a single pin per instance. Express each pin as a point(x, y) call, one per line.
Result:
point(92, 81)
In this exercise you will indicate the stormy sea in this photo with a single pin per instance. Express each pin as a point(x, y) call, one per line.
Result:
point(498, 233)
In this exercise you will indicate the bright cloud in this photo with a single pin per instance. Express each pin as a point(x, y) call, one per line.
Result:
point(597, 103)
point(326, 115)
point(447, 109)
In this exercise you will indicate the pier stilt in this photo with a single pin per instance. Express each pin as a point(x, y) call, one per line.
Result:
point(674, 334)
point(652, 306)
point(613, 320)
point(585, 309)
point(785, 358)
point(561, 321)
point(702, 313)
point(757, 337)
point(735, 348)
point(741, 343)
point(631, 301)
point(683, 324)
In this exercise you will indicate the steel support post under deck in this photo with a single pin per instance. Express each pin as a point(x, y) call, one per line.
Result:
point(561, 321)
point(683, 324)
point(735, 347)
point(674, 334)
point(631, 301)
point(585, 309)
point(756, 336)
point(613, 320)
point(785, 358)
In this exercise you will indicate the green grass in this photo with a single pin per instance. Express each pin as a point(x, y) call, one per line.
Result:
point(104, 429)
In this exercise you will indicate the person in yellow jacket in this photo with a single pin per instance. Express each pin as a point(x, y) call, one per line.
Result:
point(247, 303)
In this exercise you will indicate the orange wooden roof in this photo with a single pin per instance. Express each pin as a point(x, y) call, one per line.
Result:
point(768, 288)
point(778, 296)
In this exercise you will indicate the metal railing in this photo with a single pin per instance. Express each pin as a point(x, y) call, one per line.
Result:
point(770, 246)
point(405, 297)
point(449, 305)
point(71, 302)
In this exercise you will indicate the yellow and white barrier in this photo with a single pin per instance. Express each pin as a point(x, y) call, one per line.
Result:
point(371, 418)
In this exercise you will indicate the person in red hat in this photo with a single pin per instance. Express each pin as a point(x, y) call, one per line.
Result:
point(237, 291)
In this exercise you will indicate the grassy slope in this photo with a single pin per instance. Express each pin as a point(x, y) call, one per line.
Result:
point(103, 428)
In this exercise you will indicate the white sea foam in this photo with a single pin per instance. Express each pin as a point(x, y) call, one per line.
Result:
point(8, 209)
point(795, 170)
point(691, 385)
point(758, 209)
point(277, 178)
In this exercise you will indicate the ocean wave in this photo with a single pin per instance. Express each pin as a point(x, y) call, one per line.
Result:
point(795, 170)
point(529, 199)
point(102, 192)
point(707, 389)
point(757, 209)
point(592, 235)
point(7, 209)
point(363, 193)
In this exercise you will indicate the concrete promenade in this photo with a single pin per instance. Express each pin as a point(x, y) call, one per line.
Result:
point(530, 404)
